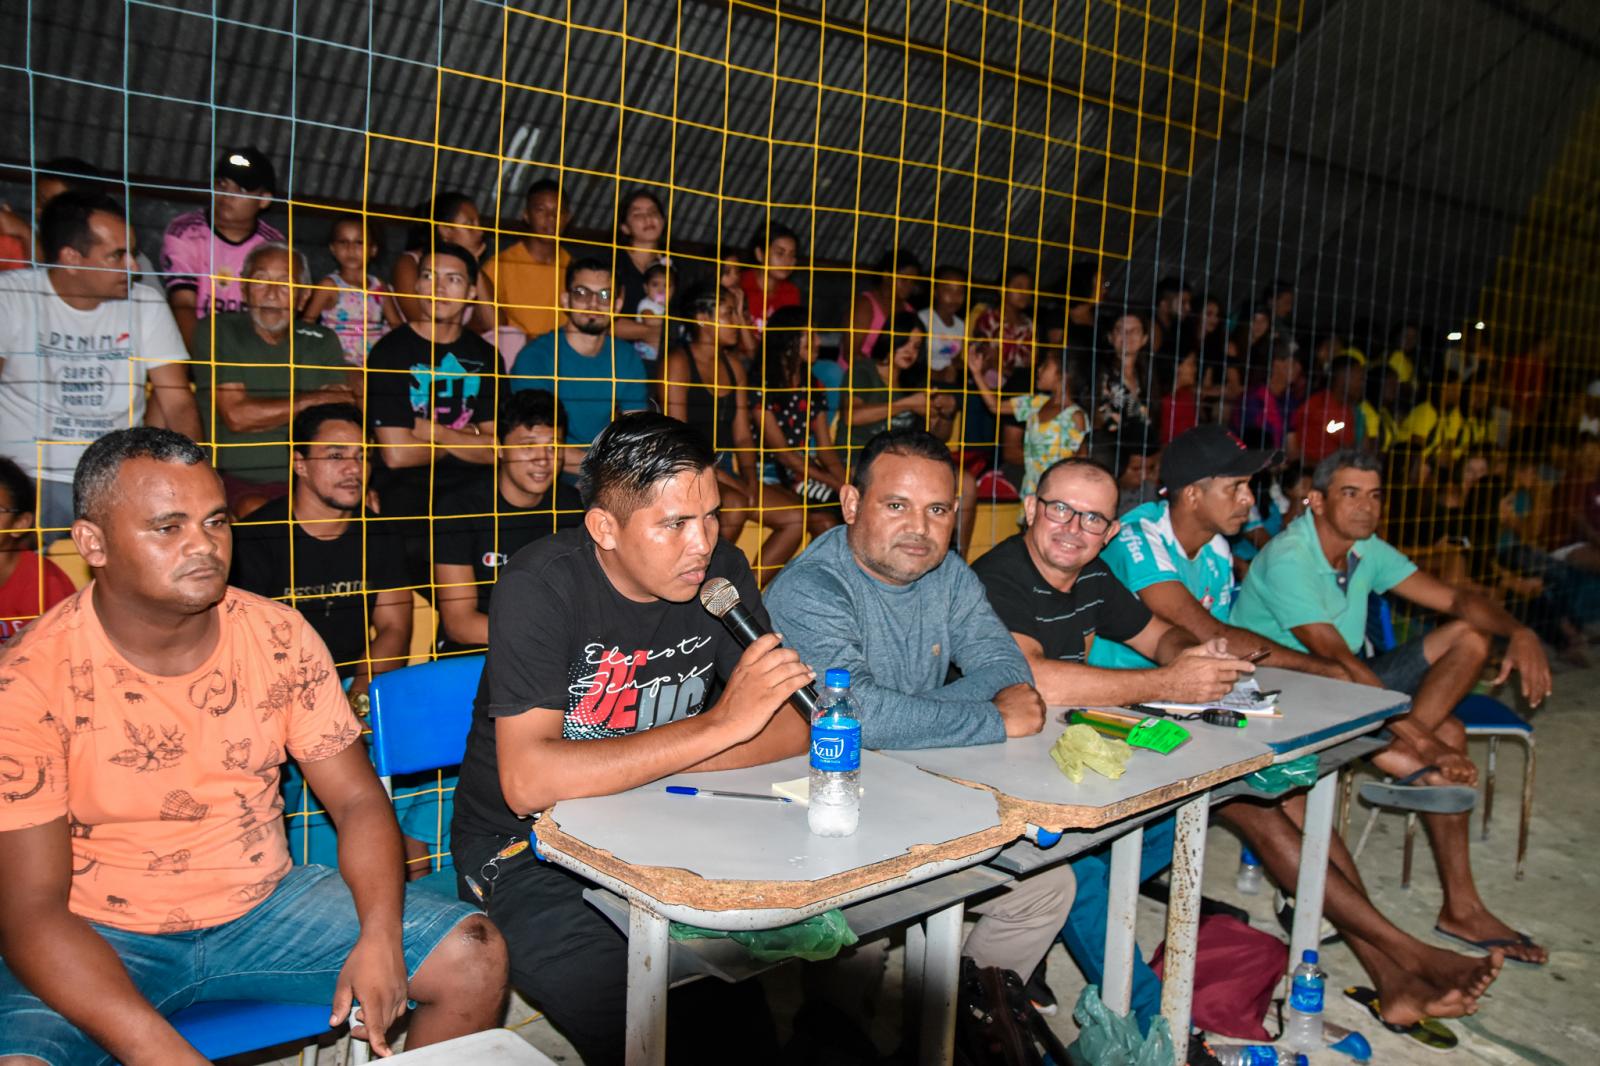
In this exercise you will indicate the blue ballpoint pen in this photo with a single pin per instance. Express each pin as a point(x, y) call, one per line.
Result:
point(687, 790)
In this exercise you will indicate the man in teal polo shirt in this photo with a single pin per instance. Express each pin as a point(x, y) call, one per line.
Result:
point(592, 377)
point(1309, 590)
point(1173, 553)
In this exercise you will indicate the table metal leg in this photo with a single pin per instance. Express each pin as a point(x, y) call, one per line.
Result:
point(1183, 919)
point(1307, 934)
point(940, 985)
point(911, 989)
point(648, 973)
point(1122, 906)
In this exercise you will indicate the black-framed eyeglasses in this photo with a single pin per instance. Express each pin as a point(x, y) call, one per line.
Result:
point(582, 294)
point(1062, 513)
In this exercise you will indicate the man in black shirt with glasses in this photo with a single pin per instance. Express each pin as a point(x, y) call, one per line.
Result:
point(1054, 594)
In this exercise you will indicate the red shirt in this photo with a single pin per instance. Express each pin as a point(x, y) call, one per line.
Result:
point(20, 602)
point(760, 303)
point(1324, 424)
point(1179, 412)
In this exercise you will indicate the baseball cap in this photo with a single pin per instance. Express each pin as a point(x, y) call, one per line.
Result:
point(1211, 451)
point(248, 168)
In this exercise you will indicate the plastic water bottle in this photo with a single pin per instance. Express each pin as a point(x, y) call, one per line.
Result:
point(1257, 1055)
point(835, 804)
point(1250, 877)
point(1303, 1031)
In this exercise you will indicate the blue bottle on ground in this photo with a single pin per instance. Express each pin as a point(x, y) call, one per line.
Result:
point(835, 803)
point(1303, 1030)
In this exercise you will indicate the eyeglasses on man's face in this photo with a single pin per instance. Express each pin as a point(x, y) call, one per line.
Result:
point(582, 294)
point(1062, 513)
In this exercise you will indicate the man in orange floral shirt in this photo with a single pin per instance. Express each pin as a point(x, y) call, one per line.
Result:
point(143, 725)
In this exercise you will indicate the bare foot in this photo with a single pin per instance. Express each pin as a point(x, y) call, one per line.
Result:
point(1482, 925)
point(1405, 998)
point(1454, 765)
point(1404, 758)
point(1470, 974)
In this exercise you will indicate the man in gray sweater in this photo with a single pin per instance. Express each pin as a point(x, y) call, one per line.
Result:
point(882, 597)
point(885, 598)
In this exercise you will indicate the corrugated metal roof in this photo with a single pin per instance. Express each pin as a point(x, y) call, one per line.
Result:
point(1383, 160)
point(1383, 169)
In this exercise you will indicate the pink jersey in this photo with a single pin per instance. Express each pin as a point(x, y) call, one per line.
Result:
point(356, 317)
point(194, 256)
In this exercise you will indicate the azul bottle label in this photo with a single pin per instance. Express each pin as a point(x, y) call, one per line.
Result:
point(1306, 996)
point(836, 745)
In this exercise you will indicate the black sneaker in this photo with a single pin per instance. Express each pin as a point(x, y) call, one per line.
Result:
point(1285, 909)
point(1039, 993)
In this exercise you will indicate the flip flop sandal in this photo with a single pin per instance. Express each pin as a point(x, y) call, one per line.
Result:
point(1431, 1033)
point(1521, 940)
point(1405, 795)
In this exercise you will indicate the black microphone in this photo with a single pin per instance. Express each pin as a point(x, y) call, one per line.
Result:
point(719, 597)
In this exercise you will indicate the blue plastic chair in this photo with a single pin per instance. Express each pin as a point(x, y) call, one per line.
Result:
point(419, 717)
point(224, 1027)
point(1485, 716)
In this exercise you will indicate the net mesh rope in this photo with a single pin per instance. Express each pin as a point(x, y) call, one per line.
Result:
point(1047, 155)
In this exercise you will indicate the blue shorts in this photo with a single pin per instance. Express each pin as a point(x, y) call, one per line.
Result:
point(289, 949)
point(1402, 669)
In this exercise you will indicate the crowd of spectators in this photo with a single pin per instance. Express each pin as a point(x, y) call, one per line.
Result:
point(1490, 464)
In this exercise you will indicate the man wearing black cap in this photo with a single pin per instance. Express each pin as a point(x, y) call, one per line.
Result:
point(1174, 552)
point(203, 251)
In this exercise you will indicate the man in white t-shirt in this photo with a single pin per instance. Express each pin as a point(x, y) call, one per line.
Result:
point(78, 342)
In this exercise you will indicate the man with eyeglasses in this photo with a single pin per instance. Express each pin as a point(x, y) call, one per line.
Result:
point(593, 378)
point(1056, 596)
point(885, 598)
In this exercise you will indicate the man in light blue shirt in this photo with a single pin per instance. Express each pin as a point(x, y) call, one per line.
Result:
point(1309, 589)
point(592, 376)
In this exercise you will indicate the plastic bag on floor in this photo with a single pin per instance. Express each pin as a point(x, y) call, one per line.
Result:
point(1108, 1039)
point(818, 937)
point(1276, 780)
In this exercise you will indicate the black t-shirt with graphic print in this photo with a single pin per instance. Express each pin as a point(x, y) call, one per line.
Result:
point(563, 639)
point(1062, 622)
point(455, 384)
point(486, 540)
